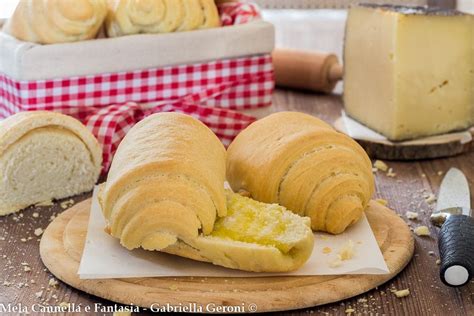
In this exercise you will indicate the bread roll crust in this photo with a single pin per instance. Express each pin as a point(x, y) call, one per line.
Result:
point(57, 21)
point(127, 17)
point(45, 156)
point(302, 163)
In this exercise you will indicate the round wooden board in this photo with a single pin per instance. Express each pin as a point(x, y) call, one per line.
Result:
point(63, 242)
point(440, 146)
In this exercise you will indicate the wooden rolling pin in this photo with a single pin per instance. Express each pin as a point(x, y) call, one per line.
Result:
point(307, 70)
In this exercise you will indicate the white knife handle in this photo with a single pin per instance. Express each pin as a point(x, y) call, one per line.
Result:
point(456, 250)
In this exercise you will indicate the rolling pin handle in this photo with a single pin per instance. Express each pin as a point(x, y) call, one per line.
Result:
point(335, 73)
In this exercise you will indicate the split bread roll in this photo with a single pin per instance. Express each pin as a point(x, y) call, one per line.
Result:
point(45, 156)
point(165, 191)
point(302, 163)
point(127, 17)
point(57, 21)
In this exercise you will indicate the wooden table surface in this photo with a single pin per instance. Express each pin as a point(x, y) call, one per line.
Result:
point(404, 192)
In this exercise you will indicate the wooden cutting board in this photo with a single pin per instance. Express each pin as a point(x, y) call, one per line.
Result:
point(63, 242)
point(439, 146)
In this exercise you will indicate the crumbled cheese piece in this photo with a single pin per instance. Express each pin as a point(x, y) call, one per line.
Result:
point(362, 300)
point(35, 214)
point(23, 239)
point(327, 250)
point(402, 293)
point(38, 231)
point(26, 268)
point(411, 215)
point(438, 262)
point(440, 173)
point(39, 294)
point(347, 251)
point(45, 203)
point(430, 198)
point(382, 201)
point(380, 165)
point(350, 310)
point(24, 263)
point(422, 231)
point(6, 283)
point(53, 282)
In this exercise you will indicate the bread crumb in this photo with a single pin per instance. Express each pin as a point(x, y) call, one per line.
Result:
point(6, 283)
point(380, 165)
point(382, 201)
point(26, 268)
point(35, 214)
point(53, 282)
point(430, 199)
point(347, 251)
point(23, 239)
point(38, 231)
point(39, 294)
point(402, 293)
point(327, 250)
point(337, 262)
point(390, 173)
point(67, 204)
point(45, 203)
point(438, 262)
point(440, 173)
point(422, 231)
point(411, 215)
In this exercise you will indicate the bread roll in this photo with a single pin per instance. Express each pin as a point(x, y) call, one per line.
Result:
point(302, 163)
point(57, 21)
point(165, 191)
point(127, 17)
point(45, 156)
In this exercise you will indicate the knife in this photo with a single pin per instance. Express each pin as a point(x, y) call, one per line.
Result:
point(456, 237)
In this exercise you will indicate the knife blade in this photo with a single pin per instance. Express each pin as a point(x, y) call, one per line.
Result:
point(456, 237)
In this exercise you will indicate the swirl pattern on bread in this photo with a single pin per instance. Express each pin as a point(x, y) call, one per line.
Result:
point(127, 17)
point(302, 163)
point(57, 21)
point(165, 191)
point(45, 156)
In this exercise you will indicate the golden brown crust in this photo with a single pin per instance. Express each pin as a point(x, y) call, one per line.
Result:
point(300, 162)
point(56, 21)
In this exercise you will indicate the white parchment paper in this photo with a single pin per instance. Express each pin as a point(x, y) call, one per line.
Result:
point(104, 257)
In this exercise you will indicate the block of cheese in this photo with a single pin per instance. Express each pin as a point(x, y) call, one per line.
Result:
point(409, 71)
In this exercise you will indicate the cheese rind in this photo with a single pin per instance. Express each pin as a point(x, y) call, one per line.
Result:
point(409, 72)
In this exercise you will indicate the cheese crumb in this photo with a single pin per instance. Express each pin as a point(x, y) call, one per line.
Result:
point(26, 268)
point(382, 201)
point(35, 214)
point(38, 231)
point(422, 231)
point(438, 262)
point(402, 293)
point(350, 310)
point(411, 215)
point(39, 294)
point(380, 165)
point(430, 199)
point(327, 250)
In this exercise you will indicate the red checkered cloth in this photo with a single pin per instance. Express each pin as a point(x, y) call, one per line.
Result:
point(110, 104)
